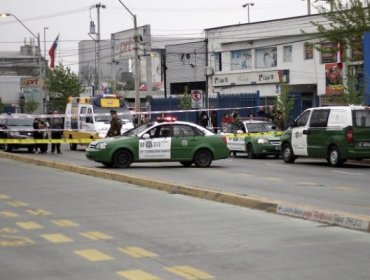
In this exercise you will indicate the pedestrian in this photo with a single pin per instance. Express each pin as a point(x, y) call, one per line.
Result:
point(214, 121)
point(115, 125)
point(38, 133)
point(56, 125)
point(203, 119)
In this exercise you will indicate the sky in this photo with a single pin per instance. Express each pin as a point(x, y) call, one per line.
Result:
point(71, 19)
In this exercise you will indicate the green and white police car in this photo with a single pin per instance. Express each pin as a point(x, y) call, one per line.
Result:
point(257, 138)
point(165, 140)
point(335, 133)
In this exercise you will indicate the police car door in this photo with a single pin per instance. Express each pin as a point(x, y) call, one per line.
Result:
point(299, 138)
point(185, 139)
point(158, 145)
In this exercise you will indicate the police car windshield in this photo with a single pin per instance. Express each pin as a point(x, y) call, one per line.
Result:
point(19, 122)
point(256, 127)
point(137, 130)
point(123, 113)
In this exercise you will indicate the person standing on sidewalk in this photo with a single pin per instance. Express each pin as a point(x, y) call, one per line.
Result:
point(56, 125)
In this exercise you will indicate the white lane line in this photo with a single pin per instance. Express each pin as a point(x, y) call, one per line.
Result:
point(348, 173)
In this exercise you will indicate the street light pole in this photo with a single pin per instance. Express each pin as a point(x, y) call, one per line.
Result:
point(247, 5)
point(45, 41)
point(137, 64)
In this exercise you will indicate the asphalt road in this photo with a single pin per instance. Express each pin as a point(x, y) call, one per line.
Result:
point(61, 225)
point(307, 182)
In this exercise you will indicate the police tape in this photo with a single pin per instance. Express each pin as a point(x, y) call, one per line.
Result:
point(46, 141)
point(120, 113)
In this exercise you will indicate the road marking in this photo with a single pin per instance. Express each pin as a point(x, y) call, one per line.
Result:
point(29, 225)
point(274, 179)
point(93, 255)
point(8, 230)
point(137, 252)
point(348, 173)
point(14, 241)
point(8, 214)
point(137, 275)
point(347, 189)
point(64, 223)
point(39, 212)
point(188, 272)
point(95, 235)
point(3, 196)
point(56, 238)
point(17, 203)
point(308, 184)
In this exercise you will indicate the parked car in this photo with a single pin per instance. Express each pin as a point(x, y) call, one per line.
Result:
point(164, 140)
point(17, 127)
point(335, 133)
point(257, 138)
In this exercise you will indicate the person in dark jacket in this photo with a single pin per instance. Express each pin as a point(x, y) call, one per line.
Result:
point(115, 125)
point(38, 133)
point(203, 119)
point(56, 125)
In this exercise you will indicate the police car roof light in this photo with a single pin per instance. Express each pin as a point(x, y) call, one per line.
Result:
point(166, 119)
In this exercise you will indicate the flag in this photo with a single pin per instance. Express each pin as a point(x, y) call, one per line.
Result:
point(52, 52)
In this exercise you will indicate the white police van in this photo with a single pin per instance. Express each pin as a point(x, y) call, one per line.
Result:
point(336, 133)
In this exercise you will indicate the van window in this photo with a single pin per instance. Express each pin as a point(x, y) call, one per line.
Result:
point(319, 118)
point(361, 118)
point(302, 119)
point(339, 117)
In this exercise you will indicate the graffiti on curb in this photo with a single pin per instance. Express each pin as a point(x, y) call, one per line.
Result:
point(323, 217)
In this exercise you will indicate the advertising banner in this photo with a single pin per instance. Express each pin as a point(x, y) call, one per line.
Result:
point(334, 78)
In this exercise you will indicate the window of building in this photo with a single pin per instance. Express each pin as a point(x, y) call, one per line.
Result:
point(266, 57)
point(328, 52)
point(218, 61)
point(287, 51)
point(308, 51)
point(241, 59)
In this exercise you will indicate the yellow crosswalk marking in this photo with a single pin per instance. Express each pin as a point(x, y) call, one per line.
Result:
point(29, 225)
point(17, 203)
point(39, 212)
point(64, 223)
point(137, 252)
point(8, 214)
point(137, 275)
point(188, 272)
point(8, 230)
point(93, 255)
point(3, 196)
point(57, 238)
point(95, 235)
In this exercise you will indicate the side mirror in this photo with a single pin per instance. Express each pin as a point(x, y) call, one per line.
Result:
point(239, 131)
point(146, 136)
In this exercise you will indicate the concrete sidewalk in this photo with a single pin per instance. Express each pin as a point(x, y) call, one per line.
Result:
point(331, 217)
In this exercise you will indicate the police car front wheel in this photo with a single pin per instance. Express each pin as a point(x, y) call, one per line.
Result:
point(287, 153)
point(122, 159)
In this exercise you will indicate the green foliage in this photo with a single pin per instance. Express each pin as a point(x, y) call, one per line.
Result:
point(61, 83)
point(284, 102)
point(346, 25)
point(185, 101)
point(30, 106)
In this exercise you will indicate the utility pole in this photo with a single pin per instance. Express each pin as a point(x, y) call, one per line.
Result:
point(308, 7)
point(98, 74)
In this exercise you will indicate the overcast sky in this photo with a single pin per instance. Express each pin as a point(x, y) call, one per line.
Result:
point(71, 19)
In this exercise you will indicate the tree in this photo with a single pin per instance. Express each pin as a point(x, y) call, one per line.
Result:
point(347, 24)
point(185, 101)
point(61, 83)
point(31, 105)
point(284, 103)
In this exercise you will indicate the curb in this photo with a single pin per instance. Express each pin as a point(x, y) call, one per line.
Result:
point(331, 217)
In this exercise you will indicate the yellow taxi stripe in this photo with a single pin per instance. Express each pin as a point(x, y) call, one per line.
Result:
point(95, 235)
point(56, 238)
point(93, 255)
point(137, 275)
point(188, 272)
point(137, 252)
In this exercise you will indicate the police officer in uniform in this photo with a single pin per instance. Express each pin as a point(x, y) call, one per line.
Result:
point(115, 125)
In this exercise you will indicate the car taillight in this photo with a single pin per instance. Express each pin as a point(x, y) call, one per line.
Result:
point(349, 135)
point(223, 138)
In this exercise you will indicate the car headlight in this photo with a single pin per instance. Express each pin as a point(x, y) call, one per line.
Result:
point(14, 133)
point(101, 146)
point(262, 141)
